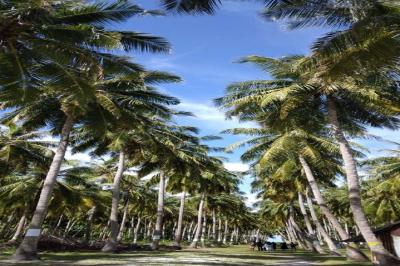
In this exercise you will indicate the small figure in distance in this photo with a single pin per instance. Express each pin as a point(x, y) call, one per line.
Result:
point(284, 246)
point(273, 246)
point(252, 245)
point(292, 245)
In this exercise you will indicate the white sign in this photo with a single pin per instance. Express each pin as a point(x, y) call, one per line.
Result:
point(156, 237)
point(33, 232)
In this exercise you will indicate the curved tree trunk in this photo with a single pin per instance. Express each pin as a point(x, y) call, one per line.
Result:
point(199, 220)
point(178, 231)
point(352, 252)
point(20, 228)
point(123, 222)
point(380, 255)
point(327, 238)
point(302, 237)
point(160, 213)
point(310, 230)
point(111, 244)
point(27, 250)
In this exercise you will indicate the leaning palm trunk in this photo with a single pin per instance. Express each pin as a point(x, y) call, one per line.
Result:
point(302, 237)
point(112, 242)
point(352, 252)
point(19, 229)
point(199, 220)
point(27, 250)
point(314, 217)
point(380, 255)
point(123, 222)
point(178, 231)
point(136, 231)
point(310, 230)
point(160, 213)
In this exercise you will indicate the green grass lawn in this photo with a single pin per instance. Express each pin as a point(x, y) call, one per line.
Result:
point(236, 255)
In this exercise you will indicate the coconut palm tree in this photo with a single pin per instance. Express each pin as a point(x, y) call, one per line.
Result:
point(360, 103)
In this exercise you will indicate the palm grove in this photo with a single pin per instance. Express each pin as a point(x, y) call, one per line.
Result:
point(60, 77)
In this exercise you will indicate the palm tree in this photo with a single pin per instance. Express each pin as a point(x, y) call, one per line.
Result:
point(191, 6)
point(361, 102)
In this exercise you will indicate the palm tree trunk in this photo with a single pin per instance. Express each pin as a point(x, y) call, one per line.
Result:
point(203, 229)
point(112, 242)
point(136, 231)
point(89, 223)
point(27, 250)
point(189, 234)
point(352, 252)
point(225, 232)
point(314, 217)
point(20, 228)
point(301, 236)
point(199, 220)
point(214, 225)
point(123, 222)
point(380, 254)
point(160, 213)
point(178, 231)
point(219, 229)
point(310, 230)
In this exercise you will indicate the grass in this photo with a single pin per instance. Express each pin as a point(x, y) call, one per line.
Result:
point(235, 255)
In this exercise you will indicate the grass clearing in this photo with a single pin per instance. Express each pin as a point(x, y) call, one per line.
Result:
point(235, 255)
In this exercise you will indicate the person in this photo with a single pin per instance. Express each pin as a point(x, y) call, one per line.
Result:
point(273, 246)
point(292, 245)
point(259, 245)
point(252, 245)
point(284, 246)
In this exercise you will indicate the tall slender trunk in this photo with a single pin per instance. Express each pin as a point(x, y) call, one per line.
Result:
point(189, 235)
point(352, 252)
point(123, 222)
point(199, 220)
point(27, 250)
point(160, 213)
point(301, 236)
point(225, 232)
point(219, 228)
point(310, 230)
point(20, 228)
point(380, 255)
point(314, 217)
point(112, 242)
point(214, 225)
point(203, 229)
point(136, 231)
point(57, 224)
point(178, 231)
point(89, 223)
point(184, 232)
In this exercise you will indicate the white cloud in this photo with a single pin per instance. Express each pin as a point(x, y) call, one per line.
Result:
point(237, 167)
point(251, 198)
point(211, 116)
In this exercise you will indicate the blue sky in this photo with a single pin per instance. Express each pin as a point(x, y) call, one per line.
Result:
point(204, 51)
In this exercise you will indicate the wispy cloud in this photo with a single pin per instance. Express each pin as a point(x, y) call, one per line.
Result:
point(209, 116)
